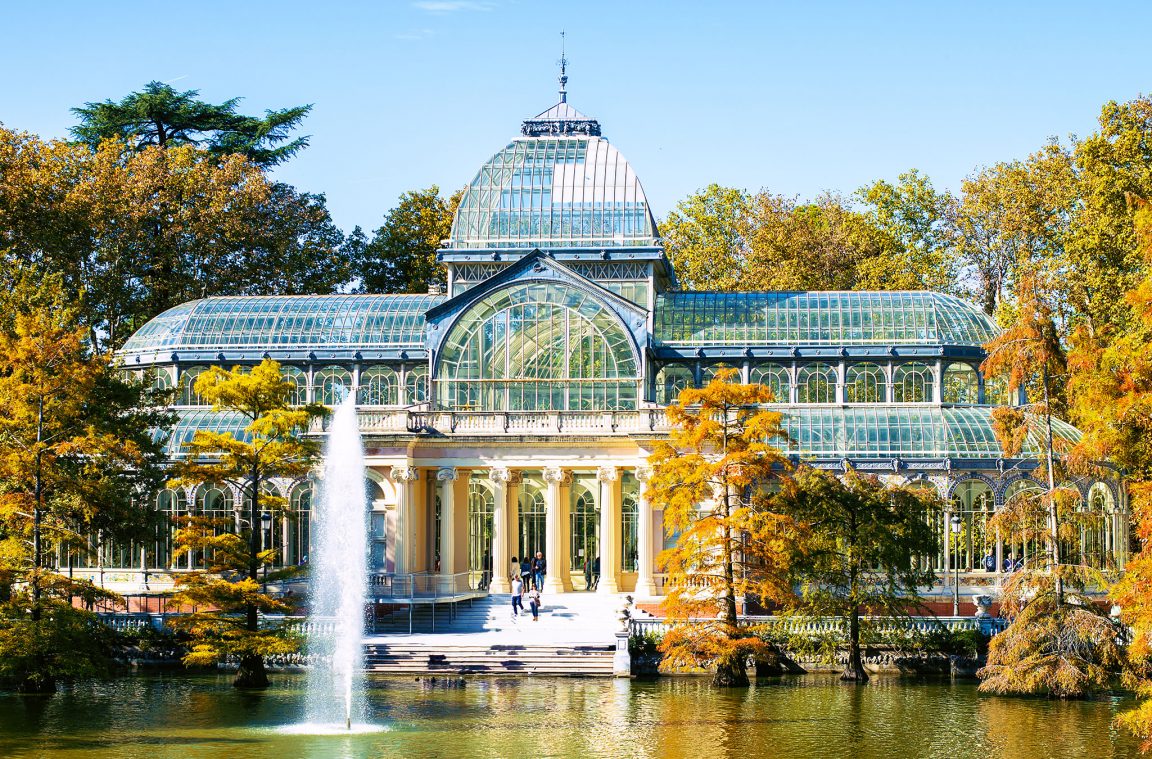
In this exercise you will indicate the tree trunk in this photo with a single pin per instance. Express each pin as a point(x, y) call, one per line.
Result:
point(1053, 516)
point(252, 674)
point(37, 684)
point(731, 672)
point(854, 671)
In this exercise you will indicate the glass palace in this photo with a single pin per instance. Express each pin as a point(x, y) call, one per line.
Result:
point(514, 413)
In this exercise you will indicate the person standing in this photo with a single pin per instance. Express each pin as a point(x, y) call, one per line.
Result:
point(517, 596)
point(587, 573)
point(534, 603)
point(539, 569)
point(595, 572)
point(526, 572)
point(989, 561)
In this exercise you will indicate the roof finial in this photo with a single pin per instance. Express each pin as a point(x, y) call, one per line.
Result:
point(563, 72)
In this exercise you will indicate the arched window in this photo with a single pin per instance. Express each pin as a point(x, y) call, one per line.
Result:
point(670, 380)
point(159, 378)
point(214, 503)
point(378, 387)
point(330, 384)
point(481, 518)
point(538, 346)
point(188, 394)
point(532, 520)
point(585, 524)
point(1102, 531)
point(816, 383)
point(996, 392)
point(709, 371)
point(973, 502)
point(776, 378)
point(912, 383)
point(865, 383)
point(961, 384)
point(298, 396)
point(171, 507)
point(416, 384)
point(629, 522)
point(299, 524)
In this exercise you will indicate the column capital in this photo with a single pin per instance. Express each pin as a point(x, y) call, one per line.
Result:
point(501, 474)
point(556, 475)
point(446, 474)
point(607, 474)
point(643, 473)
point(404, 473)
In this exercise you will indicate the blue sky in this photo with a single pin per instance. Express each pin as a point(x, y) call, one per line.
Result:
point(793, 97)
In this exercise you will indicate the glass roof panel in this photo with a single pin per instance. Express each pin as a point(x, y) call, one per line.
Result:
point(885, 432)
point(554, 192)
point(296, 321)
point(831, 318)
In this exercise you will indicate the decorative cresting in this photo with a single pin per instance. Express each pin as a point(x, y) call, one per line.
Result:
point(537, 346)
point(554, 192)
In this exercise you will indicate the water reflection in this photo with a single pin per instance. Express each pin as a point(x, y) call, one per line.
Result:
point(192, 717)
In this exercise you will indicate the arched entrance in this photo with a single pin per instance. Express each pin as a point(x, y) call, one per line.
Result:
point(585, 535)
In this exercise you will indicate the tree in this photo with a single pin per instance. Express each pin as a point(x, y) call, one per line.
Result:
point(709, 478)
point(401, 257)
point(77, 457)
point(135, 234)
point(230, 585)
point(159, 116)
point(706, 238)
point(862, 548)
point(920, 219)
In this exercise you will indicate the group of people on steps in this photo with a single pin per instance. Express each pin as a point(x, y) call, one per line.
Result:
point(528, 580)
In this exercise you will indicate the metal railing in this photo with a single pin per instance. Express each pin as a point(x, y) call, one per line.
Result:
point(888, 626)
point(421, 586)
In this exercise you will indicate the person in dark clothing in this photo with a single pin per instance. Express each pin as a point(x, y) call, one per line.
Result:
point(989, 561)
point(595, 572)
point(539, 569)
point(526, 571)
point(588, 573)
point(486, 576)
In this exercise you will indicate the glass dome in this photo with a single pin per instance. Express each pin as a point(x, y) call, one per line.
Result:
point(815, 318)
point(554, 192)
point(304, 322)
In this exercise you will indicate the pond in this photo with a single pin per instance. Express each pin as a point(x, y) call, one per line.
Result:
point(201, 716)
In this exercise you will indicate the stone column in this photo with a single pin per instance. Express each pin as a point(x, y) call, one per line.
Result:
point(446, 479)
point(501, 558)
point(554, 477)
point(645, 557)
point(609, 499)
point(405, 536)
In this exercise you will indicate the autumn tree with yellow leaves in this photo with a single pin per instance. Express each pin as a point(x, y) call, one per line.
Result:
point(710, 478)
point(77, 458)
point(228, 593)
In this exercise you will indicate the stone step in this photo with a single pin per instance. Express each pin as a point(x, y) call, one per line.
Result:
point(496, 659)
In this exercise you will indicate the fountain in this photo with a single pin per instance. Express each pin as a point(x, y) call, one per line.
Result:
point(339, 576)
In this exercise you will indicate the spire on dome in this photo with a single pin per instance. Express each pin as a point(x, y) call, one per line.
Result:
point(563, 72)
point(561, 119)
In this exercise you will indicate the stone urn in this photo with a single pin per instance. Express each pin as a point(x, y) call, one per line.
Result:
point(983, 607)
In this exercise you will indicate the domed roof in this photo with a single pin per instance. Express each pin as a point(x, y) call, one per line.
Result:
point(251, 325)
point(560, 185)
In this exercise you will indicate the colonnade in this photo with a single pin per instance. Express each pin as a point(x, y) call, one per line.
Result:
point(417, 548)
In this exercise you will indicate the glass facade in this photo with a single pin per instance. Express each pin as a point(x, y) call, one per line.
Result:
point(534, 347)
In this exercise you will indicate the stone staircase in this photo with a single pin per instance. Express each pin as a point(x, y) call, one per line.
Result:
point(575, 635)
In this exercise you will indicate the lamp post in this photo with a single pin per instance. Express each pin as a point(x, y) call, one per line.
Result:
point(956, 522)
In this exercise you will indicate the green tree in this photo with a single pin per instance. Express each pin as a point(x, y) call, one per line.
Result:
point(135, 234)
point(920, 219)
point(709, 477)
point(160, 116)
point(706, 238)
point(76, 451)
point(401, 256)
point(862, 549)
point(271, 446)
